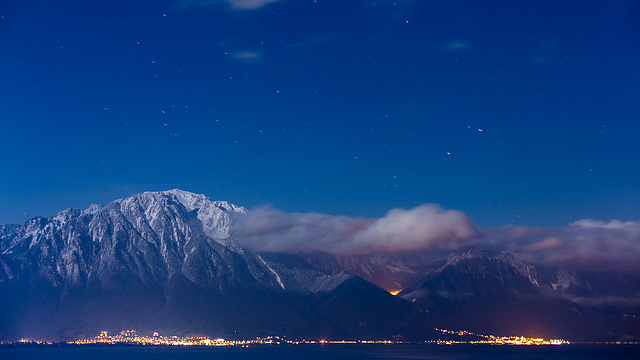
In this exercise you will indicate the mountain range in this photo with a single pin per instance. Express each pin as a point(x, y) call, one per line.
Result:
point(170, 262)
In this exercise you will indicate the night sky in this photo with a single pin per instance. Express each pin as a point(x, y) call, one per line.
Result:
point(512, 112)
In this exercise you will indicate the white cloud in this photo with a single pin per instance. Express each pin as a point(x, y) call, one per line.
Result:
point(591, 224)
point(272, 230)
point(423, 227)
point(583, 245)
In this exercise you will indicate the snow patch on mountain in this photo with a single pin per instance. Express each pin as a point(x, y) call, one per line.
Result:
point(563, 280)
point(92, 209)
point(272, 271)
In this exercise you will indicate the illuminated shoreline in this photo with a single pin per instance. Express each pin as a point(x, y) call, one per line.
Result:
point(131, 338)
point(501, 340)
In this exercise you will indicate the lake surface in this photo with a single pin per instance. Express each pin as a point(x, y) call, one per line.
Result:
point(313, 352)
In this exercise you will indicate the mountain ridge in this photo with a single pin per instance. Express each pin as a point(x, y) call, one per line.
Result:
point(169, 261)
point(145, 259)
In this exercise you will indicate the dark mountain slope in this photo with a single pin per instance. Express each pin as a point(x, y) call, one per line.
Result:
point(497, 293)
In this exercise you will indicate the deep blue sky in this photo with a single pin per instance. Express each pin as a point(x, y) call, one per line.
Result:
point(514, 112)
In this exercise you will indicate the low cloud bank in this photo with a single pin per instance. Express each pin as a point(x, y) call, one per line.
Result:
point(583, 245)
point(423, 227)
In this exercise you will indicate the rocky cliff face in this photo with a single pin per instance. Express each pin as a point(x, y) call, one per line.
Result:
point(149, 236)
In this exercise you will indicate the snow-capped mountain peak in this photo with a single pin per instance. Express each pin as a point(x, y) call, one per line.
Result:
point(215, 216)
point(157, 259)
point(190, 200)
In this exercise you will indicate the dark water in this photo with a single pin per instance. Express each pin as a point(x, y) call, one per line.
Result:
point(313, 352)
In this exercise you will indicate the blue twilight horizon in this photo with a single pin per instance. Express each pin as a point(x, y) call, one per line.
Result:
point(523, 113)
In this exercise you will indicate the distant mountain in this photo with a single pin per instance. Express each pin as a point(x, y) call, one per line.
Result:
point(168, 262)
point(164, 261)
point(495, 292)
